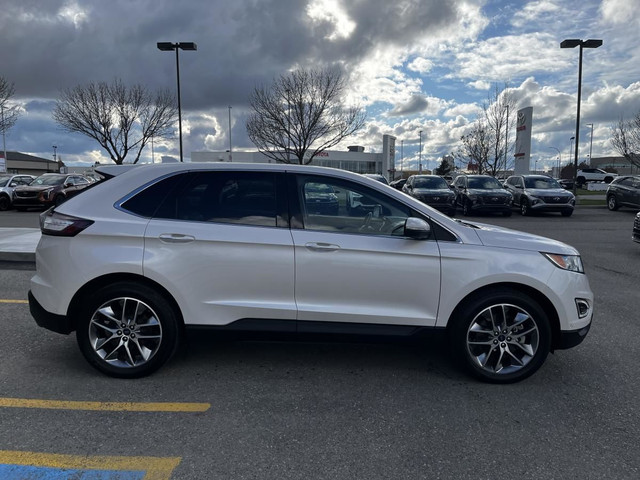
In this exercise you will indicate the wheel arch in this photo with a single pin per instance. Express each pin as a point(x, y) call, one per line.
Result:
point(104, 280)
point(531, 292)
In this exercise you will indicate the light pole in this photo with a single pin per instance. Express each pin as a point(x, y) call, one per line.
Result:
point(401, 157)
point(559, 159)
point(590, 143)
point(167, 47)
point(55, 158)
point(575, 173)
point(420, 154)
point(572, 43)
point(230, 157)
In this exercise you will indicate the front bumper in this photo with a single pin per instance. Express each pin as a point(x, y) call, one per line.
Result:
point(571, 338)
point(50, 321)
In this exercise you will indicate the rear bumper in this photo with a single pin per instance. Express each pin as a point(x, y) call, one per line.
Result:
point(50, 321)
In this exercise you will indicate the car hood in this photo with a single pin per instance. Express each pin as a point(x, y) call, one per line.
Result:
point(493, 236)
point(486, 192)
point(546, 192)
point(432, 191)
point(30, 188)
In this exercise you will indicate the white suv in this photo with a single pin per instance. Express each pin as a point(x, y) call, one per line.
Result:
point(130, 262)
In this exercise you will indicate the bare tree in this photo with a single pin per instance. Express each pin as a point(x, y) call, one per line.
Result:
point(475, 146)
point(300, 115)
point(120, 119)
point(625, 139)
point(496, 113)
point(9, 114)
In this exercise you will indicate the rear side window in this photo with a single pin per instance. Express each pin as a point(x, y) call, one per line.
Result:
point(247, 198)
point(146, 201)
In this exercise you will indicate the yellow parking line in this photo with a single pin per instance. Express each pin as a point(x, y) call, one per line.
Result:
point(105, 406)
point(13, 301)
point(155, 468)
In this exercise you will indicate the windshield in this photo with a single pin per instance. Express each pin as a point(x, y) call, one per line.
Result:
point(484, 183)
point(49, 180)
point(541, 183)
point(433, 183)
point(4, 180)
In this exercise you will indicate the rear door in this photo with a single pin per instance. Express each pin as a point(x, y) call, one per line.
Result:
point(220, 242)
point(355, 265)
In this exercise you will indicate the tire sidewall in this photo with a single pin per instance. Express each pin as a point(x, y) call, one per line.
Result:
point(612, 203)
point(5, 202)
point(465, 315)
point(169, 321)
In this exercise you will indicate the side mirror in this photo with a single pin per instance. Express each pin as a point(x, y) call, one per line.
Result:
point(417, 229)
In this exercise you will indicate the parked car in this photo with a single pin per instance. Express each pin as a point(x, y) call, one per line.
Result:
point(539, 193)
point(481, 194)
point(636, 228)
point(130, 262)
point(48, 189)
point(432, 190)
point(398, 184)
point(566, 183)
point(320, 199)
point(7, 184)
point(624, 192)
point(594, 175)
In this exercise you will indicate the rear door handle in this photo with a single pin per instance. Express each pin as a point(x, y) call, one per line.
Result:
point(176, 238)
point(322, 247)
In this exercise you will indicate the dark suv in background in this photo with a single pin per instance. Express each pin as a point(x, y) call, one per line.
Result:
point(624, 192)
point(432, 190)
point(48, 189)
point(481, 194)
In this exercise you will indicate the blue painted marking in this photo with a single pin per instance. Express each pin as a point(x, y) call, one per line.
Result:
point(28, 472)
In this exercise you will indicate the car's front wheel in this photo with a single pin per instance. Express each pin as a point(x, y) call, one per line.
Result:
point(503, 336)
point(612, 203)
point(466, 208)
point(127, 330)
point(5, 202)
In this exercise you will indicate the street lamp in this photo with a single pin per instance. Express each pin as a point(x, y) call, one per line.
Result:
point(420, 154)
point(55, 158)
point(590, 143)
point(572, 43)
point(167, 47)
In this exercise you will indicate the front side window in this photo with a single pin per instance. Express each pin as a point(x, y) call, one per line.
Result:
point(335, 205)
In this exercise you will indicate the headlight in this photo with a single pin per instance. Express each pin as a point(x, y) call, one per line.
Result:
point(573, 263)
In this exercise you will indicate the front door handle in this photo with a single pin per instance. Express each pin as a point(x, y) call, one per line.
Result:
point(176, 238)
point(322, 247)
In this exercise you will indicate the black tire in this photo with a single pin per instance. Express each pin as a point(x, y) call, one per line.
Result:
point(608, 179)
point(149, 322)
point(580, 181)
point(466, 208)
point(5, 202)
point(524, 208)
point(612, 203)
point(484, 329)
point(566, 213)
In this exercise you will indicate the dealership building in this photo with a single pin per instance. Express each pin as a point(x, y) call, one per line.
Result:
point(355, 159)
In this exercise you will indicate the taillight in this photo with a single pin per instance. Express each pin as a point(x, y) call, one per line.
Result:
point(53, 223)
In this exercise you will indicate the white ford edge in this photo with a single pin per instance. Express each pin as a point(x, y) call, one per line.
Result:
point(132, 261)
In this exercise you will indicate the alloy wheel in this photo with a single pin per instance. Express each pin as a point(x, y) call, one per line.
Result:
point(502, 339)
point(125, 332)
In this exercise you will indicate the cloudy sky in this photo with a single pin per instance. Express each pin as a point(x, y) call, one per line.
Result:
point(413, 64)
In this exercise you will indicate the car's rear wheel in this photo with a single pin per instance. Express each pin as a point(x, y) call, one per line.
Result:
point(612, 203)
point(5, 202)
point(501, 337)
point(127, 330)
